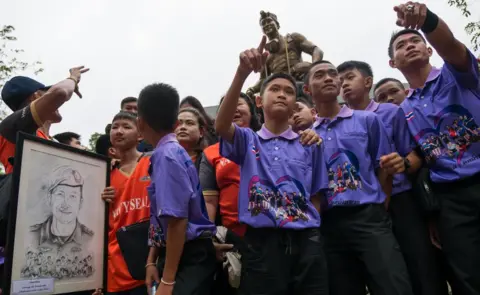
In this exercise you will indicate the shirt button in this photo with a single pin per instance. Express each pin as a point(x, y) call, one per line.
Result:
point(425, 105)
point(329, 138)
point(422, 97)
point(329, 129)
point(276, 158)
point(276, 148)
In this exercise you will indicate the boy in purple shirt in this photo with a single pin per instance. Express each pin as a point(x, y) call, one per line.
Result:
point(409, 222)
point(442, 111)
point(356, 226)
point(180, 228)
point(281, 183)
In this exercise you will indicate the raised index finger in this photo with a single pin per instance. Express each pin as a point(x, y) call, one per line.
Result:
point(261, 47)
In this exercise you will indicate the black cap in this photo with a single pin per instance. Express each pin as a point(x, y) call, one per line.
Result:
point(18, 89)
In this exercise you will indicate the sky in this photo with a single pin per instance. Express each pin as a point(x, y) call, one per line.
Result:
point(192, 45)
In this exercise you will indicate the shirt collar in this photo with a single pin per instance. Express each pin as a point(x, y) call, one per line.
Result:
point(167, 138)
point(345, 112)
point(372, 106)
point(434, 73)
point(288, 134)
point(47, 235)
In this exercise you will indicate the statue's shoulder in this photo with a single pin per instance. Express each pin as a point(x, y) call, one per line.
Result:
point(296, 37)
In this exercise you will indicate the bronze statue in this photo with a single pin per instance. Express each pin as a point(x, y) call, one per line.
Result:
point(285, 52)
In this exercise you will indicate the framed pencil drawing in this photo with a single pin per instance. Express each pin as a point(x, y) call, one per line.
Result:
point(57, 228)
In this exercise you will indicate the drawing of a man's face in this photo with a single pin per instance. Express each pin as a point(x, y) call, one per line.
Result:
point(66, 202)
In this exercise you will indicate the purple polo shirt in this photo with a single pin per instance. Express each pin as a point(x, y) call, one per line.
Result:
point(393, 119)
point(175, 192)
point(354, 142)
point(443, 118)
point(277, 177)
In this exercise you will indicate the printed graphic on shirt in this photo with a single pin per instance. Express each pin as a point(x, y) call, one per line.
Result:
point(133, 204)
point(155, 235)
point(343, 173)
point(255, 151)
point(283, 201)
point(455, 130)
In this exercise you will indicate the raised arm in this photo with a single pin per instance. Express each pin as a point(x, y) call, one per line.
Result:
point(418, 16)
point(250, 60)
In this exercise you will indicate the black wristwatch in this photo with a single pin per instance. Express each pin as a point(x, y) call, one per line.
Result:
point(407, 163)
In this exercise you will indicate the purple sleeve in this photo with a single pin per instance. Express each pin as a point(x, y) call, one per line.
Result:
point(319, 171)
point(403, 141)
point(378, 141)
point(468, 79)
point(236, 150)
point(173, 188)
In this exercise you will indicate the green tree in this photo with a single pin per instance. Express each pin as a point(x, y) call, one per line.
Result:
point(10, 62)
point(473, 27)
point(93, 140)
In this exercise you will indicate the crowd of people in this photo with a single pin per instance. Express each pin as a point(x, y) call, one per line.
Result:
point(291, 192)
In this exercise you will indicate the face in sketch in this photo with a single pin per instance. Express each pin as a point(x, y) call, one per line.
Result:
point(66, 202)
point(354, 85)
point(324, 83)
point(242, 114)
point(278, 100)
point(410, 50)
point(269, 26)
point(130, 107)
point(124, 134)
point(390, 92)
point(188, 130)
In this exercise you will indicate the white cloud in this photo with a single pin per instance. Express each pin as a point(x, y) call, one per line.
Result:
point(193, 45)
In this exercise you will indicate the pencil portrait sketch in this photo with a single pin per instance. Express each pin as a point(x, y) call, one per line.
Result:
point(59, 220)
point(57, 245)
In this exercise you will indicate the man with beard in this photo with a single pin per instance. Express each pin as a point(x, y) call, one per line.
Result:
point(444, 101)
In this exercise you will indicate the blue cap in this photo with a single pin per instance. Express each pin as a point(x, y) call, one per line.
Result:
point(18, 89)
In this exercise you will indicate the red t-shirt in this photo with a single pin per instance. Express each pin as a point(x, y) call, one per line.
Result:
point(222, 176)
point(130, 205)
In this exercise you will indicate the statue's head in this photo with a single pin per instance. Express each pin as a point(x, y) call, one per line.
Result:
point(269, 23)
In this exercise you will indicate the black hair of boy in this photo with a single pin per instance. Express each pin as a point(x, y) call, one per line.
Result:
point(397, 34)
point(270, 78)
point(122, 115)
point(158, 106)
point(66, 137)
point(364, 68)
point(255, 124)
point(386, 80)
point(127, 100)
point(305, 101)
point(306, 79)
point(103, 144)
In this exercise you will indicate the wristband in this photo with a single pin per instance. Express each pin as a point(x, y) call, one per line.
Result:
point(167, 283)
point(150, 264)
point(407, 163)
point(74, 80)
point(431, 22)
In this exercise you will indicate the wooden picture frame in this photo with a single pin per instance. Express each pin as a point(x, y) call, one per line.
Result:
point(58, 224)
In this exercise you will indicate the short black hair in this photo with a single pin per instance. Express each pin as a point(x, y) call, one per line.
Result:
point(158, 105)
point(125, 116)
point(305, 101)
point(255, 124)
point(386, 80)
point(66, 137)
point(307, 75)
point(127, 100)
point(270, 78)
point(397, 34)
point(102, 144)
point(364, 68)
point(108, 128)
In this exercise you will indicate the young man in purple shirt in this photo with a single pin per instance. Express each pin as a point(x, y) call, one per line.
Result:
point(180, 228)
point(442, 111)
point(410, 224)
point(356, 226)
point(281, 184)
